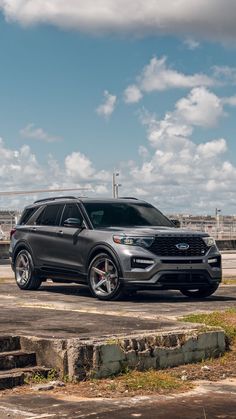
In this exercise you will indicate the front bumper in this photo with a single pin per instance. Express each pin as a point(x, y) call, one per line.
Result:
point(171, 272)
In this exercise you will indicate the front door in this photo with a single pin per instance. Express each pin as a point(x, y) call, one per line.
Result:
point(70, 240)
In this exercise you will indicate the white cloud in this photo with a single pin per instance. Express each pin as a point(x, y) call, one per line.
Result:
point(212, 19)
point(211, 148)
point(177, 173)
point(20, 170)
point(34, 133)
point(231, 100)
point(132, 94)
point(158, 76)
point(108, 106)
point(78, 166)
point(201, 107)
point(101, 190)
point(191, 43)
point(19, 167)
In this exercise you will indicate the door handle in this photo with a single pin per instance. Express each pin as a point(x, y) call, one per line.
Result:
point(60, 232)
point(33, 229)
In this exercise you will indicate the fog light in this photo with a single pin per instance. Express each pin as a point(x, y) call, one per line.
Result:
point(141, 263)
point(215, 262)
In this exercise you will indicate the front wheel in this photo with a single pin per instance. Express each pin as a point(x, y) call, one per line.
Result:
point(26, 278)
point(104, 278)
point(200, 292)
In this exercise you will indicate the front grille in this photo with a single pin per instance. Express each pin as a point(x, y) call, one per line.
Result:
point(184, 278)
point(166, 246)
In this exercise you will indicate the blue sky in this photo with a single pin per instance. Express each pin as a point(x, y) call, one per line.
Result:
point(81, 94)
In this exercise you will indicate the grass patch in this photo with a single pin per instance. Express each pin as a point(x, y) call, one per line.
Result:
point(225, 319)
point(136, 382)
point(151, 380)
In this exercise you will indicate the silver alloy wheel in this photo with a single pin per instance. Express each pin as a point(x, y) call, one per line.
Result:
point(22, 269)
point(104, 276)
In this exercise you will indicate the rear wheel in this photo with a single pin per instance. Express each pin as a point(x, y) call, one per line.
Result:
point(104, 278)
point(26, 278)
point(200, 292)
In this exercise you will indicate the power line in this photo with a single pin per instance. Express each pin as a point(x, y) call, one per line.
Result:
point(35, 191)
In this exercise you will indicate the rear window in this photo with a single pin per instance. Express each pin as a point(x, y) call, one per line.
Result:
point(51, 215)
point(27, 214)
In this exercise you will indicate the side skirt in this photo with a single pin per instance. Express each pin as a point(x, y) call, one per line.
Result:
point(62, 274)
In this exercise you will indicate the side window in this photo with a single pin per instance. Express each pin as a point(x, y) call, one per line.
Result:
point(96, 217)
point(51, 215)
point(27, 213)
point(71, 211)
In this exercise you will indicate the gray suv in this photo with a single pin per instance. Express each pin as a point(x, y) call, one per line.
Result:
point(113, 245)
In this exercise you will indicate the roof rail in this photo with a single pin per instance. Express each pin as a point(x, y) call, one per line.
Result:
point(128, 197)
point(54, 198)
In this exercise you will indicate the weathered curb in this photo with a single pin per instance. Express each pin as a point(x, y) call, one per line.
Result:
point(79, 359)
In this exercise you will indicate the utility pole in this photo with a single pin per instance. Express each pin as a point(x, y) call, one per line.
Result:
point(218, 211)
point(115, 185)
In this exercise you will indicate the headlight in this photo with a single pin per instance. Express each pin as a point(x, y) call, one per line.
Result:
point(143, 241)
point(210, 241)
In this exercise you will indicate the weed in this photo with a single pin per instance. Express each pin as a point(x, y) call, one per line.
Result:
point(224, 319)
point(150, 380)
point(38, 378)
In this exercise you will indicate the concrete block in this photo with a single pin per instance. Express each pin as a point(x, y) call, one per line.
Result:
point(146, 363)
point(131, 358)
point(111, 353)
point(191, 344)
point(170, 358)
point(50, 352)
point(107, 370)
point(221, 341)
point(80, 360)
point(207, 340)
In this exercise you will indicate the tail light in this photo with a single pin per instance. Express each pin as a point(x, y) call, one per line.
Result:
point(12, 232)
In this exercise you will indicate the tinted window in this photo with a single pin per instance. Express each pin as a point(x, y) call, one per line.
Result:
point(51, 215)
point(71, 211)
point(27, 213)
point(125, 215)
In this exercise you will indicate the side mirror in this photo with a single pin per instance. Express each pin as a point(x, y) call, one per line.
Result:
point(176, 223)
point(73, 223)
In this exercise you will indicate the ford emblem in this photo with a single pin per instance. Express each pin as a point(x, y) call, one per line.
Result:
point(182, 246)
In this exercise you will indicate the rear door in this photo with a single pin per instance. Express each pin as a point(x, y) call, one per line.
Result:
point(44, 238)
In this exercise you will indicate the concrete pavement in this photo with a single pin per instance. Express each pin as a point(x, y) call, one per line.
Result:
point(207, 401)
point(70, 310)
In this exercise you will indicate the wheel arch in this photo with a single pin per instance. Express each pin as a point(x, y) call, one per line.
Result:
point(103, 248)
point(21, 246)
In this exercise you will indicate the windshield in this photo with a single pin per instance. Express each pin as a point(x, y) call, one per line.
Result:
point(125, 215)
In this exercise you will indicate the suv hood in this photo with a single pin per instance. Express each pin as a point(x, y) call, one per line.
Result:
point(155, 230)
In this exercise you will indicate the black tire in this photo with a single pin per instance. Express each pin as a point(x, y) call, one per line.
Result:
point(112, 287)
point(25, 276)
point(201, 292)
